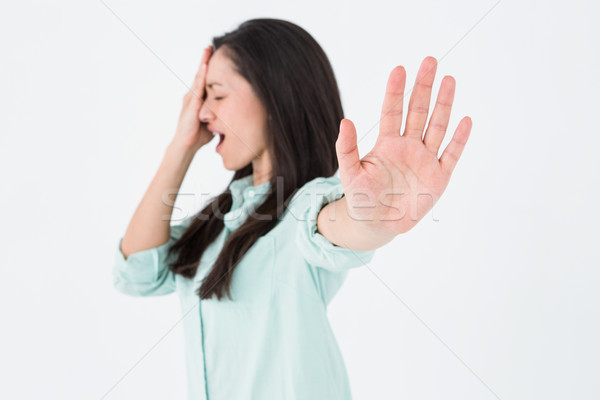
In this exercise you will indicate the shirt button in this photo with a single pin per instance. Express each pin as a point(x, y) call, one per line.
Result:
point(251, 193)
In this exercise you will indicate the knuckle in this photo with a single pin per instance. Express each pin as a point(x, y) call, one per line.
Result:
point(393, 112)
point(418, 110)
point(438, 126)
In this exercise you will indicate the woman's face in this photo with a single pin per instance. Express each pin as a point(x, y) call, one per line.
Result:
point(232, 109)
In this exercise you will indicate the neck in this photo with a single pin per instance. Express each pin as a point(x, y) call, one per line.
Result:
point(261, 169)
point(259, 179)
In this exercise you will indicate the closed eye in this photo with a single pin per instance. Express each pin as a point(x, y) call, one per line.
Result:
point(218, 98)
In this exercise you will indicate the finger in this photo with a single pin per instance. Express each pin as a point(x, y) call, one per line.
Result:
point(347, 151)
point(393, 103)
point(198, 86)
point(452, 152)
point(418, 106)
point(438, 124)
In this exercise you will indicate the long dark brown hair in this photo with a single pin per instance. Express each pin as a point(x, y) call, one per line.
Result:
point(292, 77)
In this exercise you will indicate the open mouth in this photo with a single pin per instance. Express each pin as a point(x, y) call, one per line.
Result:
point(221, 136)
point(221, 140)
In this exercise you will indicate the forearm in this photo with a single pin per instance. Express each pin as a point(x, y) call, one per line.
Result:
point(336, 224)
point(150, 224)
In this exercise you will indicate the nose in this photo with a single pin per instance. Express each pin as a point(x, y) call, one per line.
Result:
point(205, 114)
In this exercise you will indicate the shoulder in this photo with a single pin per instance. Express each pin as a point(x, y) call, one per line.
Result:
point(316, 192)
point(315, 248)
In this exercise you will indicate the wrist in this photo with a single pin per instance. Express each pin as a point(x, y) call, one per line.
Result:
point(180, 152)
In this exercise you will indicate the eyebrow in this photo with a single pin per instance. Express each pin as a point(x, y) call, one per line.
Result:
point(210, 85)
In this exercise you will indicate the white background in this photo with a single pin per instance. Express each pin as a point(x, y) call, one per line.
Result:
point(497, 299)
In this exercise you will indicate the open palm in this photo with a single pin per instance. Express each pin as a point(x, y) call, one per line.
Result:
point(396, 184)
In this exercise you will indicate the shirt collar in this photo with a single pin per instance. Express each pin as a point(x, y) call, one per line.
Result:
point(244, 197)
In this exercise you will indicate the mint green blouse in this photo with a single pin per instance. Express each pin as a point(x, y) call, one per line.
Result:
point(272, 340)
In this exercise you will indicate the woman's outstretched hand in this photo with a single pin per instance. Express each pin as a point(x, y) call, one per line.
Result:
point(392, 187)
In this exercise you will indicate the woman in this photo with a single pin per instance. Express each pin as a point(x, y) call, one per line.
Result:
point(256, 268)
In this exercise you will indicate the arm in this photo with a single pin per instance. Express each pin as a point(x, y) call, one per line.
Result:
point(335, 223)
point(141, 264)
point(150, 224)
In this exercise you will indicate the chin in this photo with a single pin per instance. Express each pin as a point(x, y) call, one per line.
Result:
point(233, 166)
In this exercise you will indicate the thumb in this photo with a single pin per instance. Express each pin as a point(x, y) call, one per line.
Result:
point(347, 150)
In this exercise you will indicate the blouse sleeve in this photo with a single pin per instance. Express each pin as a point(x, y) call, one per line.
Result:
point(317, 250)
point(146, 272)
